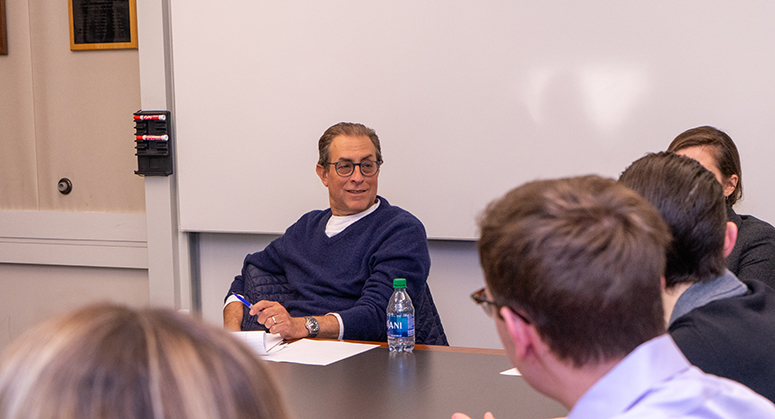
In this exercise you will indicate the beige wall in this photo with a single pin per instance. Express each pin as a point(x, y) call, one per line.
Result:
point(66, 114)
point(32, 295)
point(18, 174)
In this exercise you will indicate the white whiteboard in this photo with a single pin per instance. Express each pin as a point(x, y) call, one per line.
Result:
point(470, 98)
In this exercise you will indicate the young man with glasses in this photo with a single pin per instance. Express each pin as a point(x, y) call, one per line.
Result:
point(572, 270)
point(331, 274)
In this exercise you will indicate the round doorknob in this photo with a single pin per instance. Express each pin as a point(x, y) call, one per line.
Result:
point(64, 186)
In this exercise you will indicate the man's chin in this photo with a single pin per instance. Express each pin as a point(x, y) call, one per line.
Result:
point(358, 204)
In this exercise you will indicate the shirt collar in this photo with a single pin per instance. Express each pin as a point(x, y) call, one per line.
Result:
point(704, 292)
point(337, 224)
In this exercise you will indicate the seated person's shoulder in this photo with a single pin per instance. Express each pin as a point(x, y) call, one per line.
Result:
point(694, 394)
point(394, 211)
point(398, 218)
point(750, 225)
point(309, 220)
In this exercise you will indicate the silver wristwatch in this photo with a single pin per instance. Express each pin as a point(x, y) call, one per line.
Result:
point(312, 326)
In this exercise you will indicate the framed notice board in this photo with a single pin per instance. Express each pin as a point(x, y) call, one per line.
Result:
point(103, 24)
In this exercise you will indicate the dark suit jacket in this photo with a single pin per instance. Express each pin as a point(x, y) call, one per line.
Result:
point(754, 254)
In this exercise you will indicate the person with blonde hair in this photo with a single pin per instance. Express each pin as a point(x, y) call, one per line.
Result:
point(108, 361)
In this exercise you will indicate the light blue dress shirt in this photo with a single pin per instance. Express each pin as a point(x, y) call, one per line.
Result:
point(656, 381)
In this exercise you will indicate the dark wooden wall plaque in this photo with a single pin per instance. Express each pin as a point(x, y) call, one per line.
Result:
point(103, 24)
point(3, 30)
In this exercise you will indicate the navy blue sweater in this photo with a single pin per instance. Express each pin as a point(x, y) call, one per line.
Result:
point(351, 273)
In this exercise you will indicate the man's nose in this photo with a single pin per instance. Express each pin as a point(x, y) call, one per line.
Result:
point(357, 176)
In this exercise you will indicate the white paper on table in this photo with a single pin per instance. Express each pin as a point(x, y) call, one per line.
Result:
point(318, 352)
point(260, 341)
point(512, 371)
point(302, 351)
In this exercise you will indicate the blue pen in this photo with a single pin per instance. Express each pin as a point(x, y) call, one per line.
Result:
point(244, 301)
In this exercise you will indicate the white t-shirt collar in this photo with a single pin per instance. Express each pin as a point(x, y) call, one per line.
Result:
point(337, 224)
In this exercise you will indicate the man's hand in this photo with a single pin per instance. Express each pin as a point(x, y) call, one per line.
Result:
point(232, 316)
point(277, 320)
point(487, 415)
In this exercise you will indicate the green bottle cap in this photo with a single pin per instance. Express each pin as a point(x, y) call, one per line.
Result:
point(399, 283)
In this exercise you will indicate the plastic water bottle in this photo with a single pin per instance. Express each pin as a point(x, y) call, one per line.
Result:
point(400, 319)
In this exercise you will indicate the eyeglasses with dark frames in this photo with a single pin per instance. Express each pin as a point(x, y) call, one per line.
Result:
point(491, 308)
point(346, 168)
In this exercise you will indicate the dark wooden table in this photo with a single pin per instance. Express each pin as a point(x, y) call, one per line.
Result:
point(431, 382)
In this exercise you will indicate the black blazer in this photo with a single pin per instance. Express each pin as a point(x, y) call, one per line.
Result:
point(753, 256)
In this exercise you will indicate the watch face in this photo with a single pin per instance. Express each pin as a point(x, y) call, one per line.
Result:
point(312, 326)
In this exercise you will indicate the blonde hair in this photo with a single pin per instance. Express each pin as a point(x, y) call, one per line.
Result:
point(108, 361)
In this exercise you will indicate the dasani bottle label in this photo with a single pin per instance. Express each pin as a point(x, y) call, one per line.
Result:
point(400, 326)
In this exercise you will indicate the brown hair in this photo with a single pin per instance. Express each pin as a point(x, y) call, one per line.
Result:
point(109, 361)
point(349, 129)
point(582, 258)
point(691, 202)
point(724, 153)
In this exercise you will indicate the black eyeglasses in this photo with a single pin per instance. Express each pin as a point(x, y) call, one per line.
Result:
point(346, 168)
point(491, 308)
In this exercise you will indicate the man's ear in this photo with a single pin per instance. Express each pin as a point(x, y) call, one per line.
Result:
point(521, 334)
point(322, 174)
point(662, 283)
point(730, 238)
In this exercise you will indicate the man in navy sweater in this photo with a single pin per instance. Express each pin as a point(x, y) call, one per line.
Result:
point(723, 325)
point(330, 275)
